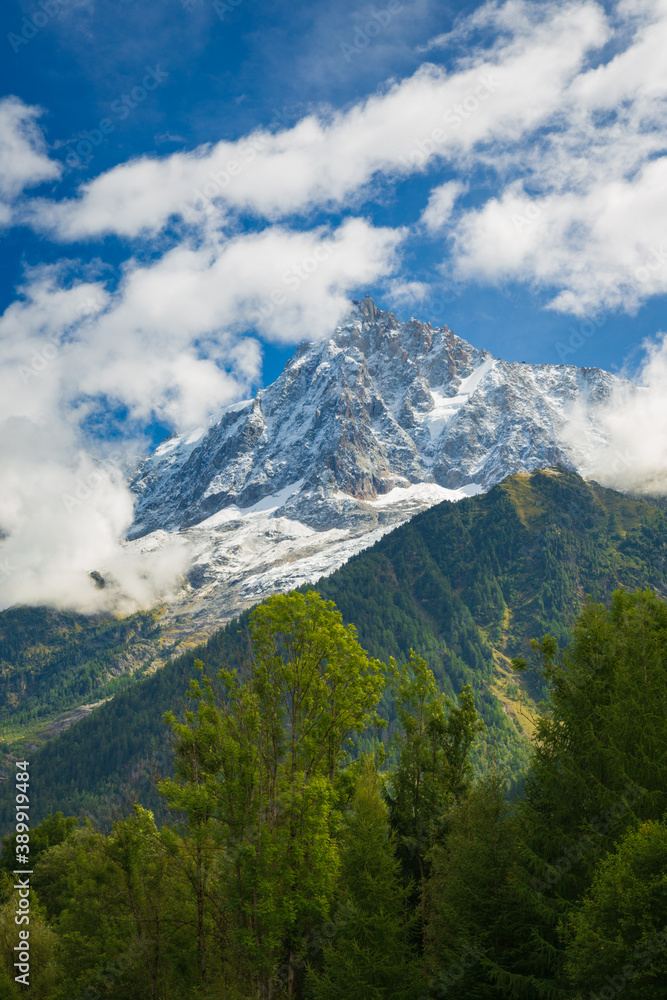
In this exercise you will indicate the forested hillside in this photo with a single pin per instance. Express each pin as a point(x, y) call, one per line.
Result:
point(467, 585)
point(53, 660)
point(293, 868)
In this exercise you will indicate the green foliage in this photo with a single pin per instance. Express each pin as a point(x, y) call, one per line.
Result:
point(493, 571)
point(369, 956)
point(297, 869)
point(467, 893)
point(618, 935)
point(457, 582)
point(258, 761)
point(118, 907)
point(433, 766)
point(461, 584)
point(51, 831)
point(598, 767)
point(52, 661)
point(45, 968)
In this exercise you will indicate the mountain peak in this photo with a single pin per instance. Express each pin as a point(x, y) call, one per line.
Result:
point(357, 434)
point(381, 405)
point(368, 308)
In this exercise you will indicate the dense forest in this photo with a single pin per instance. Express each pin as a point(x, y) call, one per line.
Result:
point(308, 856)
point(466, 585)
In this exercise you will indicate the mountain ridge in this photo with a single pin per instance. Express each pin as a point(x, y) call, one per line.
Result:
point(378, 405)
point(358, 433)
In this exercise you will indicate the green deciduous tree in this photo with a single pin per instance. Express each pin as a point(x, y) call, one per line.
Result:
point(120, 911)
point(260, 759)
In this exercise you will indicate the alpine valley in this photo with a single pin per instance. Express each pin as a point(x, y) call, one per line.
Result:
point(360, 433)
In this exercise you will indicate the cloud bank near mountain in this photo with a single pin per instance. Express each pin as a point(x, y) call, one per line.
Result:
point(266, 237)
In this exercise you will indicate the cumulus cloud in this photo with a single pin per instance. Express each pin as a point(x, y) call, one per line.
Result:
point(170, 341)
point(441, 204)
point(574, 139)
point(64, 516)
point(584, 219)
point(560, 107)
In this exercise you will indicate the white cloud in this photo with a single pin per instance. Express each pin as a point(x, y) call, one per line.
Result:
point(408, 292)
point(631, 453)
point(65, 516)
point(585, 140)
point(571, 149)
point(494, 95)
point(23, 158)
point(168, 342)
point(585, 219)
point(441, 204)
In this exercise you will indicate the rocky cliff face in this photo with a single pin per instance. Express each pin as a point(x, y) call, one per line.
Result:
point(378, 406)
point(357, 434)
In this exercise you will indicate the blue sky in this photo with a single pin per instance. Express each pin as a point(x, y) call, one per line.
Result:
point(227, 70)
point(189, 188)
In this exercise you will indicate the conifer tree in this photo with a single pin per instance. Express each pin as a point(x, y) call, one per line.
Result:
point(599, 766)
point(369, 958)
point(433, 767)
point(467, 895)
point(618, 937)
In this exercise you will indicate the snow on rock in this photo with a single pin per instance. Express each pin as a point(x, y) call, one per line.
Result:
point(358, 434)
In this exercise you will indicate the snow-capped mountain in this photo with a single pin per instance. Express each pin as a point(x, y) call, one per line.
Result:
point(357, 434)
